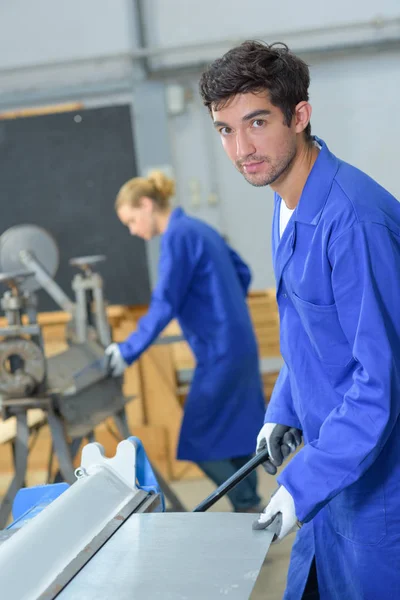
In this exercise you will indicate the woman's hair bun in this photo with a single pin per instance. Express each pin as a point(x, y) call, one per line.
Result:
point(163, 184)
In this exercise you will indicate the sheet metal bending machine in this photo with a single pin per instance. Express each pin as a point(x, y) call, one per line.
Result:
point(107, 537)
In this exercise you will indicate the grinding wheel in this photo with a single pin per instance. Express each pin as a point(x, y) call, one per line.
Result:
point(33, 239)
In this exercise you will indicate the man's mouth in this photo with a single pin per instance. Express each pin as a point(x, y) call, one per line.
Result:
point(252, 167)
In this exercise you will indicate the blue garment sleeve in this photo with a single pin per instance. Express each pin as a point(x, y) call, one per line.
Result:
point(280, 407)
point(241, 269)
point(175, 271)
point(366, 285)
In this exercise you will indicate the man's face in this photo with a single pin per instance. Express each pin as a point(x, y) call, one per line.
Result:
point(255, 137)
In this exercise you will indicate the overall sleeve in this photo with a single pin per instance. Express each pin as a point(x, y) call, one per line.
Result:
point(366, 285)
point(280, 407)
point(175, 272)
point(241, 269)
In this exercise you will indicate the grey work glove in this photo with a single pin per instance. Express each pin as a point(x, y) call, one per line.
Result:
point(280, 440)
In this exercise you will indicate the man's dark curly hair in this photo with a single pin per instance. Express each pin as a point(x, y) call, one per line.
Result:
point(254, 67)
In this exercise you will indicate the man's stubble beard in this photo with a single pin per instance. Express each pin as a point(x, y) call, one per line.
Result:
point(280, 169)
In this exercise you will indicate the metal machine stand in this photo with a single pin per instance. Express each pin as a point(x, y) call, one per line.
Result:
point(72, 388)
point(23, 372)
point(90, 307)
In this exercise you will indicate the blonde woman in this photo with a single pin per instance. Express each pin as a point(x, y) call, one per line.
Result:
point(203, 284)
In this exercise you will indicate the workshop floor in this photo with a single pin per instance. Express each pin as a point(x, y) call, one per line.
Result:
point(271, 583)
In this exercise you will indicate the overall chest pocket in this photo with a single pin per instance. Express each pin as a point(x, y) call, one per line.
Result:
point(322, 326)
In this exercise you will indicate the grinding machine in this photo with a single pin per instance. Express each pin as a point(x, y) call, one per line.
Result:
point(72, 388)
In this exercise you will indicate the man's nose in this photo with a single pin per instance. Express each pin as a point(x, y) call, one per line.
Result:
point(244, 145)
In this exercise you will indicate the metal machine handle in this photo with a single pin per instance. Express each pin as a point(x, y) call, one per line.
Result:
point(46, 281)
point(230, 483)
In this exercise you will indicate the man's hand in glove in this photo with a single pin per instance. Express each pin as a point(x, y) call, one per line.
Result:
point(282, 512)
point(114, 360)
point(280, 440)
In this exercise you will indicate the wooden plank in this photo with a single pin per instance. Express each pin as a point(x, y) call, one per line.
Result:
point(162, 406)
point(6, 459)
point(132, 377)
point(182, 356)
point(269, 380)
point(8, 428)
point(41, 110)
point(172, 329)
point(58, 317)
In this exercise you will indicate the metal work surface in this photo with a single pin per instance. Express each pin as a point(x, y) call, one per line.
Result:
point(175, 556)
point(5, 535)
point(76, 368)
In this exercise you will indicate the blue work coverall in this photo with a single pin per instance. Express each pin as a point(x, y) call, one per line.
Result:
point(337, 271)
point(203, 283)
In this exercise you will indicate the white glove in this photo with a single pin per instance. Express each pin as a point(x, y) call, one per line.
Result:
point(282, 512)
point(115, 362)
point(280, 440)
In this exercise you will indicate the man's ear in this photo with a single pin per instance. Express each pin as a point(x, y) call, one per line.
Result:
point(302, 116)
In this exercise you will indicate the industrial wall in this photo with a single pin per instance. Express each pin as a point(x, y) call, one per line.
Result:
point(151, 53)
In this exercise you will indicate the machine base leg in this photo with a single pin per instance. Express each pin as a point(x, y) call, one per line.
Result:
point(20, 461)
point(61, 447)
point(175, 504)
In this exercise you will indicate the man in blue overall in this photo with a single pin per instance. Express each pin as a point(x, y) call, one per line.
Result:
point(336, 253)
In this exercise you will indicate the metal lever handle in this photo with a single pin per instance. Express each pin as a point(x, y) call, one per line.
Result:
point(230, 483)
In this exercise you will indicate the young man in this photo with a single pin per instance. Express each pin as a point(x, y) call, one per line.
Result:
point(336, 252)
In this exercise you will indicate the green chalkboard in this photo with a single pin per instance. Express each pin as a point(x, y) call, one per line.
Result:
point(62, 172)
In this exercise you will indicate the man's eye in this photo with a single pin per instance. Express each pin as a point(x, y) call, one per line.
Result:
point(258, 123)
point(225, 130)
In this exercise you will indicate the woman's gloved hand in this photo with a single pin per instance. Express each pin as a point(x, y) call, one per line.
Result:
point(114, 361)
